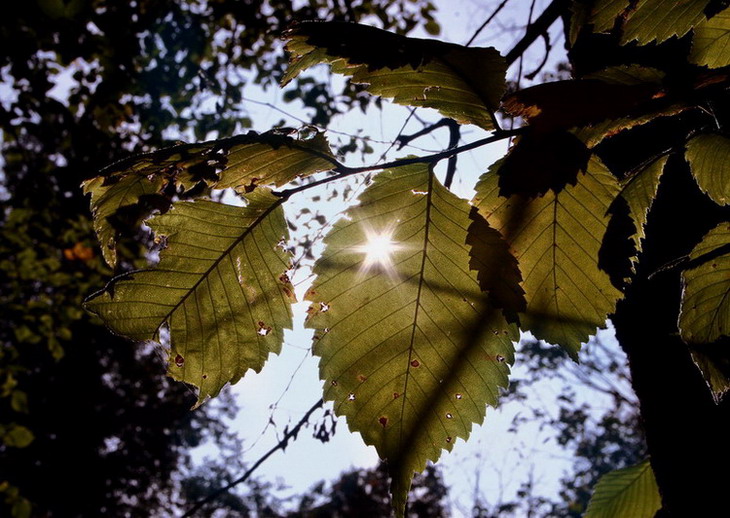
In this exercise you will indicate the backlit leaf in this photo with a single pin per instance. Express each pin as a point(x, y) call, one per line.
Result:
point(705, 313)
point(242, 162)
point(220, 288)
point(464, 83)
point(626, 493)
point(604, 13)
point(556, 238)
point(639, 191)
point(711, 41)
point(410, 350)
point(709, 159)
point(659, 20)
point(714, 365)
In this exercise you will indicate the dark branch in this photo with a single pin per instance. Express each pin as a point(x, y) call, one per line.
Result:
point(281, 445)
point(454, 136)
point(537, 28)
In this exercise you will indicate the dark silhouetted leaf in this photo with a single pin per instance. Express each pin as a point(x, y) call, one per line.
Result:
point(462, 83)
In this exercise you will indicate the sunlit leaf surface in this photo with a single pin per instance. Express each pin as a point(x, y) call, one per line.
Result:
point(220, 288)
point(410, 350)
point(705, 313)
point(659, 20)
point(626, 493)
point(556, 238)
point(464, 83)
point(242, 162)
point(711, 41)
point(709, 159)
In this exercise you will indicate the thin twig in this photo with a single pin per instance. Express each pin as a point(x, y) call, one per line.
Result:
point(487, 22)
point(454, 136)
point(536, 29)
point(281, 445)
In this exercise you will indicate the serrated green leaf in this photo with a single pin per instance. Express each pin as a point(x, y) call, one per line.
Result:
point(410, 350)
point(709, 159)
point(556, 238)
point(639, 191)
point(711, 41)
point(242, 162)
point(655, 20)
point(705, 313)
point(107, 198)
point(714, 365)
point(626, 493)
point(220, 287)
point(604, 13)
point(464, 83)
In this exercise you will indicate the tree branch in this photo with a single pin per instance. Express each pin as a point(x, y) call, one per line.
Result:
point(537, 28)
point(344, 171)
point(281, 445)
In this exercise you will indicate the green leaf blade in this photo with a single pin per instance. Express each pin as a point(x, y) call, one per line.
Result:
point(410, 351)
point(221, 288)
point(705, 312)
point(626, 493)
point(708, 156)
point(711, 41)
point(653, 20)
point(463, 83)
point(555, 238)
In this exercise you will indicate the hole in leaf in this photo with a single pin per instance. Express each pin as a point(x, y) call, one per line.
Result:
point(334, 383)
point(449, 416)
point(263, 329)
point(459, 396)
point(448, 439)
point(324, 307)
point(351, 397)
point(500, 358)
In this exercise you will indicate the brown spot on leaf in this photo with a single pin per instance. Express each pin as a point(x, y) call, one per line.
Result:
point(383, 421)
point(179, 361)
point(396, 395)
point(415, 363)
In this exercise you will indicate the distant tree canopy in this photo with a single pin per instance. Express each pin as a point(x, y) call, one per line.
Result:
point(85, 83)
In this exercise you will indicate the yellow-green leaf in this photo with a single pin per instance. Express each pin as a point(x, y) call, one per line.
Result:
point(714, 364)
point(221, 289)
point(410, 350)
point(709, 159)
point(15, 435)
point(639, 191)
point(626, 493)
point(659, 20)
point(604, 13)
point(705, 312)
point(556, 238)
point(711, 41)
point(242, 162)
point(464, 83)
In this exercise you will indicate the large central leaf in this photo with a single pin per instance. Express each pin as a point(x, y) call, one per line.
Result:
point(556, 238)
point(410, 350)
point(220, 287)
point(463, 83)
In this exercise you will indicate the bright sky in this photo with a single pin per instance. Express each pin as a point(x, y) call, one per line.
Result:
point(494, 462)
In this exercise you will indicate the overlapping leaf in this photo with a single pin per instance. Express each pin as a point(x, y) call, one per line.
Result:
point(604, 13)
point(639, 191)
point(709, 158)
point(220, 288)
point(556, 238)
point(711, 41)
point(705, 313)
point(410, 350)
point(626, 493)
point(714, 364)
point(463, 83)
point(242, 162)
point(659, 20)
